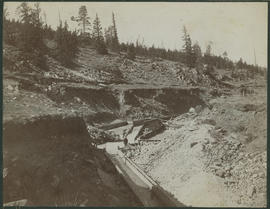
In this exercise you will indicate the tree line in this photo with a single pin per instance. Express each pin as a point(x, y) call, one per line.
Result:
point(30, 30)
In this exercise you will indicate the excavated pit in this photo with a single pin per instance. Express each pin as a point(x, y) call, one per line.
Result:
point(51, 160)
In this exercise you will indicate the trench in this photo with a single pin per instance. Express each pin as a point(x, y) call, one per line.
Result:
point(51, 160)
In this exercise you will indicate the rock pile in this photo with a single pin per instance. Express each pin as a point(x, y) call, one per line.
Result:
point(244, 173)
point(194, 142)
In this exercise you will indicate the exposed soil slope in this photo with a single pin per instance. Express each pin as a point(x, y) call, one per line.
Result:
point(51, 121)
point(51, 161)
point(218, 153)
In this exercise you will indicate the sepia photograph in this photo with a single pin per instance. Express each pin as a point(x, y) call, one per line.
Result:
point(134, 104)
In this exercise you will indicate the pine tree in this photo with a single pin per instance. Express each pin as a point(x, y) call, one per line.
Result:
point(24, 39)
point(30, 38)
point(98, 36)
point(111, 36)
point(225, 55)
point(83, 20)
point(197, 54)
point(115, 41)
point(208, 49)
point(38, 30)
point(131, 53)
point(240, 64)
point(24, 13)
point(108, 33)
point(7, 29)
point(31, 34)
point(189, 56)
point(67, 45)
point(207, 54)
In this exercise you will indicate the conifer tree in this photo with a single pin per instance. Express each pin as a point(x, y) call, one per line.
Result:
point(115, 41)
point(83, 20)
point(97, 36)
point(25, 37)
point(108, 33)
point(197, 54)
point(67, 44)
point(189, 56)
point(30, 39)
point(131, 53)
point(240, 64)
point(207, 54)
point(7, 34)
point(111, 36)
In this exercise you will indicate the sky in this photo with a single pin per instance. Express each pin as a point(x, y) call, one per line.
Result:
point(237, 28)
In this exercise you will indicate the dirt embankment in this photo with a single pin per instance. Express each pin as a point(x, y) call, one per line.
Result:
point(157, 102)
point(130, 102)
point(97, 98)
point(121, 102)
point(51, 161)
point(218, 153)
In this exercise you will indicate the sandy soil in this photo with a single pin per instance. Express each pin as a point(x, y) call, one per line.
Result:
point(208, 154)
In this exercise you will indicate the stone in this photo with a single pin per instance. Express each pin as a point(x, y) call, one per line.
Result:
point(192, 110)
point(255, 175)
point(206, 141)
point(228, 168)
point(221, 173)
point(261, 175)
point(10, 88)
point(212, 140)
point(77, 99)
point(251, 191)
point(193, 144)
point(228, 174)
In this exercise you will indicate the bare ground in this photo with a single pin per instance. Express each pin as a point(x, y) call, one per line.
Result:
point(217, 151)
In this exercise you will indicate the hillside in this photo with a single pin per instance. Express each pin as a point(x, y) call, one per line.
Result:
point(207, 111)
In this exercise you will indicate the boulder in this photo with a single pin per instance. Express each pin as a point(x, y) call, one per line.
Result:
point(221, 173)
point(193, 144)
point(192, 110)
point(251, 191)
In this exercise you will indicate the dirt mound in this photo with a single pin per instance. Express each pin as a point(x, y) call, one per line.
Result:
point(50, 161)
